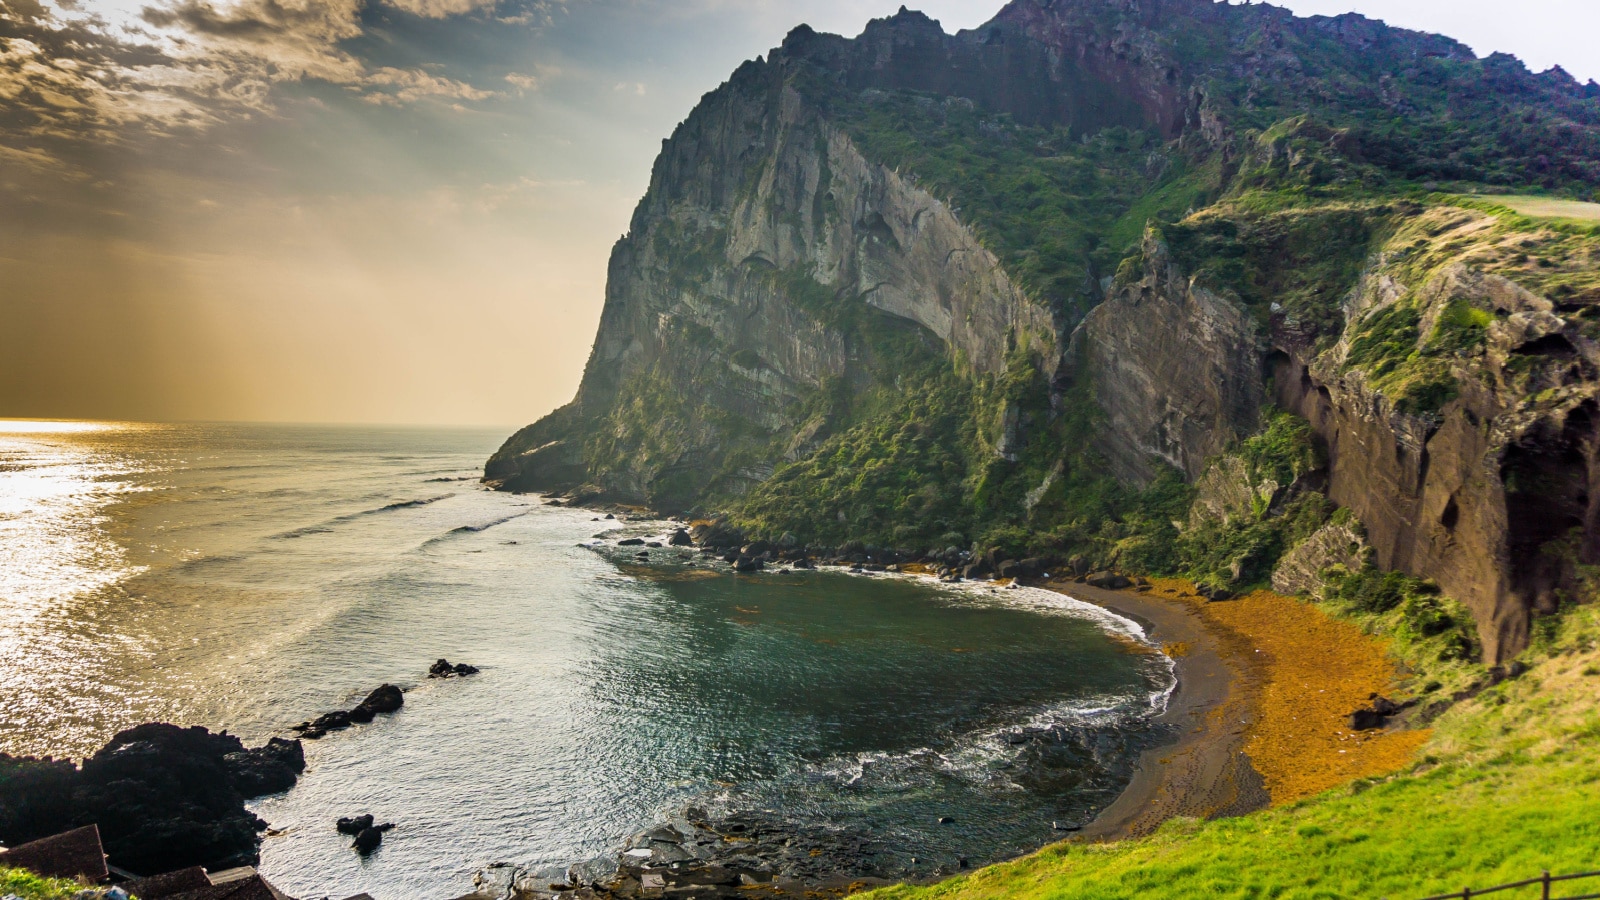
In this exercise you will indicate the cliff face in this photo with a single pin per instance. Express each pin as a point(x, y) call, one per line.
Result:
point(1489, 491)
point(1176, 369)
point(871, 280)
point(766, 246)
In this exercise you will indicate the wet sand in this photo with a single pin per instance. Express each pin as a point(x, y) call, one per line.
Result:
point(1265, 683)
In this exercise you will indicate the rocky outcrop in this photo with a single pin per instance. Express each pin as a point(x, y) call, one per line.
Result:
point(1300, 571)
point(164, 797)
point(1176, 367)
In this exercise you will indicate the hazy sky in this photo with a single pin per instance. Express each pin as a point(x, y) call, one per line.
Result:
point(385, 210)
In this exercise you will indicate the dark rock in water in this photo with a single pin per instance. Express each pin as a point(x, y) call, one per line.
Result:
point(369, 839)
point(804, 564)
point(656, 544)
point(443, 669)
point(748, 564)
point(269, 769)
point(163, 796)
point(946, 820)
point(385, 698)
point(321, 725)
point(631, 542)
point(680, 538)
point(610, 516)
point(354, 824)
point(361, 715)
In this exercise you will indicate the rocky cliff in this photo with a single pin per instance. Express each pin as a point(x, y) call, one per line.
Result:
point(1163, 284)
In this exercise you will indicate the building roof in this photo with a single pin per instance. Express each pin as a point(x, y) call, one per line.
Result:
point(70, 854)
point(158, 886)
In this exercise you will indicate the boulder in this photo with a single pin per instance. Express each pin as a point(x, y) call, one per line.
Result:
point(631, 542)
point(329, 721)
point(1375, 715)
point(354, 825)
point(748, 564)
point(1110, 581)
point(680, 538)
point(369, 839)
point(444, 669)
point(716, 534)
point(385, 698)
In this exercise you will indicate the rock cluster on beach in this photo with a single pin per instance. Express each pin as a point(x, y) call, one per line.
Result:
point(694, 855)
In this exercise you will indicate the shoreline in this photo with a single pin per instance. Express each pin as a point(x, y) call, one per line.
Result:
point(1265, 687)
point(1203, 772)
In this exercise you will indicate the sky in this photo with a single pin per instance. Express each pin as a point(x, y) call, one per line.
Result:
point(393, 211)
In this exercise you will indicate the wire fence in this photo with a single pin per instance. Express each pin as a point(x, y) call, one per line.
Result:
point(1545, 882)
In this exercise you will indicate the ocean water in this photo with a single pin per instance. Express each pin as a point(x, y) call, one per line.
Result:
point(251, 577)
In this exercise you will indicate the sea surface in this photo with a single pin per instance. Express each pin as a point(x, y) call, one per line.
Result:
point(250, 577)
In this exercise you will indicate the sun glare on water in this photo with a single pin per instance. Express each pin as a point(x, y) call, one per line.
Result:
point(53, 426)
point(54, 491)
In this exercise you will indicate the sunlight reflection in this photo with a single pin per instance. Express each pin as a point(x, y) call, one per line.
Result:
point(53, 426)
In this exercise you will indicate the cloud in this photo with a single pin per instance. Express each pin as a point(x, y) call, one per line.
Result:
point(397, 87)
point(439, 9)
point(70, 76)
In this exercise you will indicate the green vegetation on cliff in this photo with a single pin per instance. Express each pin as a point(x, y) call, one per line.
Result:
point(1505, 789)
point(1047, 202)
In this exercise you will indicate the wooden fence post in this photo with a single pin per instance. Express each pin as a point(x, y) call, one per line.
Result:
point(1546, 880)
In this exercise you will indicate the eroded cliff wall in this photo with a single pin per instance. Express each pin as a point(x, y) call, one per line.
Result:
point(1490, 491)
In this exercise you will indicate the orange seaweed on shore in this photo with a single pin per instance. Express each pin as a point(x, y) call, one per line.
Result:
point(1310, 671)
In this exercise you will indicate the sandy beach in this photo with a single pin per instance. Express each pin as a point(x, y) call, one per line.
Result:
point(1265, 683)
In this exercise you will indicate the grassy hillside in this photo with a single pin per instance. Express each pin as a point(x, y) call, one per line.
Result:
point(1505, 789)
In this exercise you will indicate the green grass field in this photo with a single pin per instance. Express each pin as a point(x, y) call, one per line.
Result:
point(1508, 786)
point(31, 887)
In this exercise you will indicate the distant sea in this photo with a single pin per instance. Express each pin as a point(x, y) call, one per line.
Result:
point(249, 577)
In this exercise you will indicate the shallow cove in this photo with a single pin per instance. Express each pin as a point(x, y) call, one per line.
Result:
point(266, 574)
